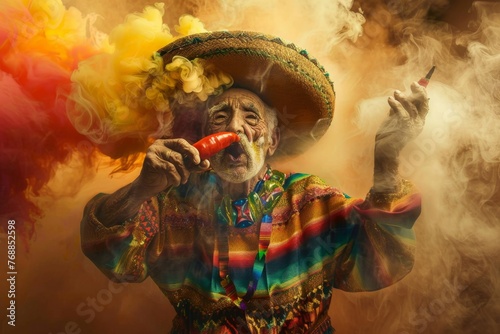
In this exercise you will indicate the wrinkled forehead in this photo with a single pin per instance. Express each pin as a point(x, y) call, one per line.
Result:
point(237, 97)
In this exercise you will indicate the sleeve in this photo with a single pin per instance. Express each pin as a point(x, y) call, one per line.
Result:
point(373, 240)
point(120, 251)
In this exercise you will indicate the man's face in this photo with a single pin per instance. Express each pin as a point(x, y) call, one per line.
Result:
point(243, 112)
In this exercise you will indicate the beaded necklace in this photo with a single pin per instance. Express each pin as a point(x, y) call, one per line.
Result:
point(258, 206)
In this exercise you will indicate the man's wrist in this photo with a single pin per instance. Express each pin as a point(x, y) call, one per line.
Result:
point(386, 173)
point(137, 192)
point(121, 205)
point(386, 182)
point(384, 198)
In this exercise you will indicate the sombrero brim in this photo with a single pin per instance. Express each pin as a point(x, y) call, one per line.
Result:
point(283, 75)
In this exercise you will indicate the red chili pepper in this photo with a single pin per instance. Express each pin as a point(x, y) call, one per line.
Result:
point(425, 80)
point(214, 143)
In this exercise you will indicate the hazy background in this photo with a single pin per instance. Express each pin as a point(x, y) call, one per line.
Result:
point(455, 162)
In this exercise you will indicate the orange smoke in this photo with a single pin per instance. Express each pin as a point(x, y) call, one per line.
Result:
point(41, 44)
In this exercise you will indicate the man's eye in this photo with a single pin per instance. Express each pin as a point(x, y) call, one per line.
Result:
point(252, 118)
point(219, 118)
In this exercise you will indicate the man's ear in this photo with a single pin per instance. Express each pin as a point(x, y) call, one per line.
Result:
point(275, 140)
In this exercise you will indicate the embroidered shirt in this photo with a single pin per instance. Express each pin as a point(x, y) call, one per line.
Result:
point(321, 239)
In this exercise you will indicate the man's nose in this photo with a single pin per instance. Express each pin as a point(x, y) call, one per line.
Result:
point(236, 124)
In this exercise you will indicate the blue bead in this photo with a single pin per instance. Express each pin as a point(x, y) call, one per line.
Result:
point(267, 218)
point(240, 202)
point(244, 223)
point(258, 186)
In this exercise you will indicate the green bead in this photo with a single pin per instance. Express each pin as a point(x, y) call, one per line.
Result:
point(255, 206)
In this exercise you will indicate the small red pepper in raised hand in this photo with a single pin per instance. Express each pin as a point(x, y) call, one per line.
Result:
point(214, 143)
point(425, 80)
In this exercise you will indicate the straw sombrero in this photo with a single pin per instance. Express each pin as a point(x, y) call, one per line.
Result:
point(283, 75)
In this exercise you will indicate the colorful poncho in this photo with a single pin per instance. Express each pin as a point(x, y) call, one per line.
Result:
point(320, 239)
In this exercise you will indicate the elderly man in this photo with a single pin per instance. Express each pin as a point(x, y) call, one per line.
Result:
point(236, 246)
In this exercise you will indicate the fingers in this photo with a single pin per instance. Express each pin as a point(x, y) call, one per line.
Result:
point(172, 160)
point(413, 105)
point(406, 103)
point(397, 108)
point(420, 99)
point(418, 89)
point(202, 166)
point(190, 155)
point(406, 118)
point(163, 160)
point(188, 151)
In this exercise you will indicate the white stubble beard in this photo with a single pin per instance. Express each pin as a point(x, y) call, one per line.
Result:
point(256, 158)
